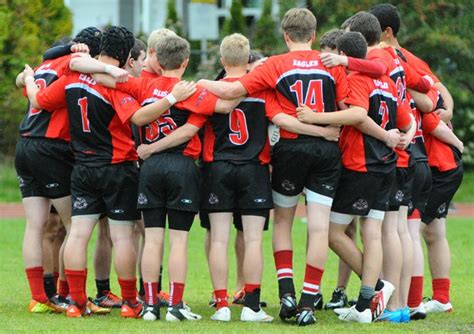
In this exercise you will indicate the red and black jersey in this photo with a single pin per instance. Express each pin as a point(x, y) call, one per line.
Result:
point(99, 118)
point(44, 123)
point(417, 146)
point(418, 64)
point(299, 77)
point(192, 110)
point(241, 136)
point(440, 154)
point(361, 152)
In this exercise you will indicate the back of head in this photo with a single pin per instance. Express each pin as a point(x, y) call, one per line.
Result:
point(90, 36)
point(346, 23)
point(300, 24)
point(63, 41)
point(353, 44)
point(172, 51)
point(157, 35)
point(388, 16)
point(235, 50)
point(116, 43)
point(328, 39)
point(138, 47)
point(368, 25)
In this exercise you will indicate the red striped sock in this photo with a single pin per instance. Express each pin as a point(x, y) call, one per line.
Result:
point(151, 290)
point(221, 298)
point(76, 281)
point(176, 293)
point(415, 296)
point(35, 280)
point(128, 288)
point(312, 279)
point(249, 288)
point(56, 278)
point(441, 289)
point(284, 264)
point(63, 289)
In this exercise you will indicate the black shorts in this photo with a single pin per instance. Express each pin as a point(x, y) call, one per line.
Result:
point(312, 163)
point(237, 220)
point(177, 219)
point(444, 186)
point(227, 187)
point(111, 190)
point(402, 186)
point(360, 192)
point(44, 167)
point(421, 188)
point(169, 180)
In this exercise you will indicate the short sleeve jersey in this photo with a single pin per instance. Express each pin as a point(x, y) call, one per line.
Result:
point(99, 119)
point(418, 64)
point(299, 77)
point(241, 136)
point(192, 111)
point(47, 123)
point(361, 152)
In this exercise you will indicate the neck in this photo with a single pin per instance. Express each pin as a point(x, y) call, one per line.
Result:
point(235, 71)
point(109, 60)
point(299, 46)
point(178, 73)
point(373, 47)
point(393, 41)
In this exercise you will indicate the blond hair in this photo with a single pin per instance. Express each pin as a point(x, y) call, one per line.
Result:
point(172, 51)
point(235, 50)
point(157, 35)
point(299, 24)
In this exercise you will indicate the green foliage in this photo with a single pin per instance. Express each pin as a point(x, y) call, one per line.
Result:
point(265, 37)
point(27, 29)
point(173, 22)
point(236, 21)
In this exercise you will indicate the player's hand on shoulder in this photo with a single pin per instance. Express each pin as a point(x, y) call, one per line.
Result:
point(119, 74)
point(256, 64)
point(332, 132)
point(79, 48)
point(28, 72)
point(331, 59)
point(393, 138)
point(144, 151)
point(183, 89)
point(304, 113)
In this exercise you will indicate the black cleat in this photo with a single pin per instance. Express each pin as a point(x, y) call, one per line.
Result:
point(338, 300)
point(287, 307)
point(305, 317)
point(318, 301)
point(151, 312)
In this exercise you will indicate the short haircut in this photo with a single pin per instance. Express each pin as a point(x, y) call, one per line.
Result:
point(388, 16)
point(299, 24)
point(91, 36)
point(172, 51)
point(353, 44)
point(138, 47)
point(117, 42)
point(235, 50)
point(157, 35)
point(346, 23)
point(368, 25)
point(328, 39)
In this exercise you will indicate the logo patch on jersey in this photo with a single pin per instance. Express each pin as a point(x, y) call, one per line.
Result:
point(186, 201)
point(399, 196)
point(327, 186)
point(201, 97)
point(442, 208)
point(142, 199)
point(213, 199)
point(126, 100)
point(80, 203)
point(288, 185)
point(260, 200)
point(360, 204)
point(117, 211)
point(21, 182)
point(52, 185)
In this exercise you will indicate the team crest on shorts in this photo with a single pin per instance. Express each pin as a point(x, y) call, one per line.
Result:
point(288, 185)
point(142, 199)
point(360, 204)
point(442, 208)
point(80, 203)
point(399, 196)
point(213, 199)
point(21, 182)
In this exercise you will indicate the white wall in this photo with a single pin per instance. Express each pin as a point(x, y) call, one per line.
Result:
point(96, 13)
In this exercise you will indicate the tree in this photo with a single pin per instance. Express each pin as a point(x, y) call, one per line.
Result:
point(27, 29)
point(236, 22)
point(173, 22)
point(265, 31)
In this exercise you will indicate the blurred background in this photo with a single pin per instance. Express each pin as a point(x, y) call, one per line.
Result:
point(438, 31)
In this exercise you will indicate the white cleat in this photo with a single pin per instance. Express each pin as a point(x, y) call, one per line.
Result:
point(341, 310)
point(180, 312)
point(381, 298)
point(222, 314)
point(250, 315)
point(434, 306)
point(351, 314)
point(418, 313)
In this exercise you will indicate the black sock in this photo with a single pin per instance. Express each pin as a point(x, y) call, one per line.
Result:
point(286, 286)
point(365, 297)
point(252, 300)
point(102, 285)
point(159, 279)
point(141, 291)
point(306, 301)
point(49, 287)
point(379, 285)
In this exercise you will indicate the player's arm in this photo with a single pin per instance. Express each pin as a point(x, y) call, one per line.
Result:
point(226, 106)
point(353, 115)
point(446, 135)
point(422, 101)
point(408, 134)
point(64, 50)
point(291, 124)
point(179, 136)
point(91, 65)
point(224, 90)
point(374, 69)
point(31, 87)
point(20, 80)
point(49, 98)
point(391, 138)
point(448, 101)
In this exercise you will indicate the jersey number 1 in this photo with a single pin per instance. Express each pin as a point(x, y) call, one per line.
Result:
point(314, 94)
point(83, 104)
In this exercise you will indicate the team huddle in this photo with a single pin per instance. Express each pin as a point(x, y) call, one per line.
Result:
point(113, 135)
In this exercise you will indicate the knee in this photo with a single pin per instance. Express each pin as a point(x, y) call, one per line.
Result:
point(432, 235)
point(334, 237)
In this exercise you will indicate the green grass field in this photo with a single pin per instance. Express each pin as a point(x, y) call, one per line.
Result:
point(14, 294)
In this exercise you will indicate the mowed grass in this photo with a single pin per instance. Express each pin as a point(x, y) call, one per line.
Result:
point(14, 292)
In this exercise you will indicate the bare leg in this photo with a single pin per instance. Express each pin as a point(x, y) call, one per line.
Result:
point(218, 255)
point(75, 252)
point(344, 271)
point(63, 207)
point(253, 258)
point(37, 212)
point(371, 232)
point(318, 231)
point(49, 238)
point(439, 254)
point(103, 251)
point(392, 262)
point(418, 261)
point(178, 258)
point(239, 257)
point(407, 253)
point(151, 259)
point(282, 224)
point(125, 254)
point(345, 247)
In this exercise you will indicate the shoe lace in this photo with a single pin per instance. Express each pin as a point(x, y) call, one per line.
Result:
point(110, 295)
